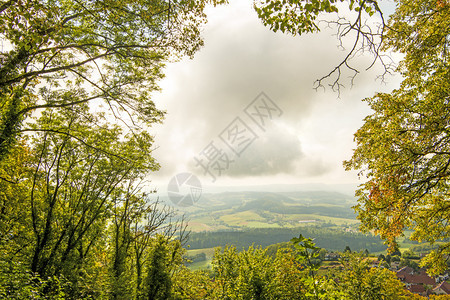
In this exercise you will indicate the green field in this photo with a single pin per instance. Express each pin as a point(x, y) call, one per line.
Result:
point(208, 251)
point(323, 215)
point(231, 211)
point(318, 218)
point(241, 218)
point(201, 265)
point(266, 219)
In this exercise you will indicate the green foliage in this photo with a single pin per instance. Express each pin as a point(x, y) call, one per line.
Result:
point(16, 282)
point(358, 281)
point(293, 274)
point(307, 254)
point(251, 274)
point(64, 53)
point(298, 17)
point(293, 16)
point(403, 146)
point(72, 209)
point(158, 285)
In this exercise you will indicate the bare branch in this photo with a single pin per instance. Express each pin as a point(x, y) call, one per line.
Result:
point(367, 39)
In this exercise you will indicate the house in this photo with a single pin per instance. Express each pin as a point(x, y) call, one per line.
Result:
point(375, 264)
point(418, 289)
point(419, 279)
point(404, 271)
point(332, 256)
point(419, 282)
point(395, 265)
point(442, 289)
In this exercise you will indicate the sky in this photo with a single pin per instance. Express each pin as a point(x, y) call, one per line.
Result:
point(244, 111)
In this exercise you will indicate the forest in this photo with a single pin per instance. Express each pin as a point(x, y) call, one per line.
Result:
point(335, 240)
point(76, 85)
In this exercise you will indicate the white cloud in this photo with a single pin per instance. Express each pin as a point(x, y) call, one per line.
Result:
point(240, 59)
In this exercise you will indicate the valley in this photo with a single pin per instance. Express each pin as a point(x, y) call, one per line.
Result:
point(247, 218)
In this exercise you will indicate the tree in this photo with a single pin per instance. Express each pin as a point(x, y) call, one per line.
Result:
point(164, 257)
point(14, 232)
point(406, 262)
point(252, 274)
point(403, 147)
point(58, 195)
point(140, 230)
point(197, 284)
point(158, 285)
point(156, 220)
point(366, 253)
point(322, 253)
point(358, 281)
point(73, 216)
point(73, 182)
point(62, 53)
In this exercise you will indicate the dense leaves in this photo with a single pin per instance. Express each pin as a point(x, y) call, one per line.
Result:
point(292, 273)
point(403, 147)
point(76, 219)
point(61, 53)
point(294, 17)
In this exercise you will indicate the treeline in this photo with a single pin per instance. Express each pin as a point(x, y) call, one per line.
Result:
point(276, 206)
point(330, 239)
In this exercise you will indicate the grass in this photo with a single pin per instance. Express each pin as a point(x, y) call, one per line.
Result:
point(201, 265)
point(251, 219)
point(208, 251)
point(195, 226)
point(255, 224)
point(333, 220)
point(241, 218)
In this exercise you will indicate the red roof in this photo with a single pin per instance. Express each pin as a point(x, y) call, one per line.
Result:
point(405, 270)
point(445, 286)
point(417, 279)
point(417, 289)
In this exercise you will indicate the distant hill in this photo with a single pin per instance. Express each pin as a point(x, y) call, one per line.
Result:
point(243, 218)
point(323, 203)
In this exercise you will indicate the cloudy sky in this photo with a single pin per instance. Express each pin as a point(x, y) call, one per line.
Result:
point(215, 108)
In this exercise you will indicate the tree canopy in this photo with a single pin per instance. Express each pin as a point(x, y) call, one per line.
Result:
point(403, 147)
point(74, 220)
point(76, 79)
point(59, 53)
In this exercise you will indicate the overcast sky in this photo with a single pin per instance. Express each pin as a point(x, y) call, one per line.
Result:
point(212, 127)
